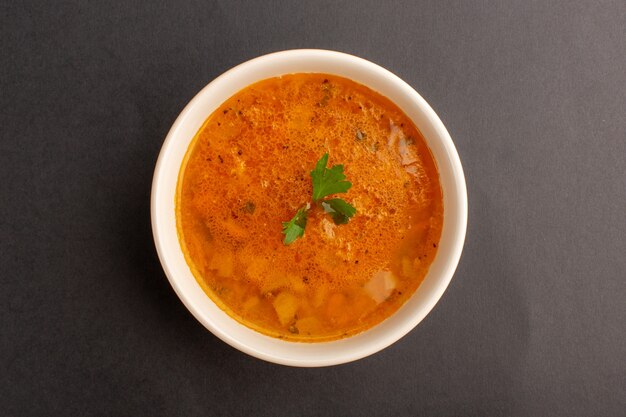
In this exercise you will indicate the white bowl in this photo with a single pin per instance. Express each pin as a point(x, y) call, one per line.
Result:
point(164, 218)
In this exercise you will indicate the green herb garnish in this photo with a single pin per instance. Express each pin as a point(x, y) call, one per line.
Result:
point(340, 210)
point(294, 228)
point(326, 181)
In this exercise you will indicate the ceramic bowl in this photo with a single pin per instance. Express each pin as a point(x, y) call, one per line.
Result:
point(164, 218)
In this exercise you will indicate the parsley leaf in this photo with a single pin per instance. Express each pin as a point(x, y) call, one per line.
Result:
point(327, 181)
point(339, 209)
point(294, 228)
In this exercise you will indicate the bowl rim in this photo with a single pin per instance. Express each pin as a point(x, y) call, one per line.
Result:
point(460, 220)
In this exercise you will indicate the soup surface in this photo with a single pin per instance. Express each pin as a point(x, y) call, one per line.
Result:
point(248, 170)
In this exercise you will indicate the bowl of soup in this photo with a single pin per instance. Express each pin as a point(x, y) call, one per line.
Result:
point(309, 207)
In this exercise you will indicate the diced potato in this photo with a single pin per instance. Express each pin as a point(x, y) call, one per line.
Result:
point(286, 306)
point(319, 297)
point(417, 264)
point(308, 325)
point(407, 267)
point(381, 285)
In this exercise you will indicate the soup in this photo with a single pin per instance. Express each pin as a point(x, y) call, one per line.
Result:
point(248, 171)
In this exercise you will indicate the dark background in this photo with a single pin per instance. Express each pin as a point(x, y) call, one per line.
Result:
point(534, 96)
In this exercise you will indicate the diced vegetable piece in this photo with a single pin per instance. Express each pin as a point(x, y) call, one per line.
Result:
point(417, 264)
point(286, 306)
point(381, 285)
point(319, 297)
point(308, 325)
point(407, 267)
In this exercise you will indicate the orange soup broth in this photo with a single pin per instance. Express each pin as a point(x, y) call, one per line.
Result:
point(248, 170)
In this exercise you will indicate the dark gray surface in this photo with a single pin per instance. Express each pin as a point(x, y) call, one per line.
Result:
point(534, 95)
